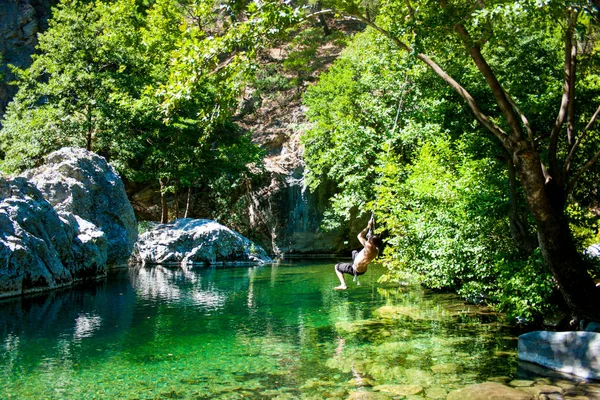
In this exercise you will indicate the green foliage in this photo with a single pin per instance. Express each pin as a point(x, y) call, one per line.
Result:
point(302, 51)
point(393, 140)
point(150, 85)
point(72, 94)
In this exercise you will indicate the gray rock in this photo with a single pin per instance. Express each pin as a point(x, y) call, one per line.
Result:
point(573, 353)
point(593, 251)
point(188, 241)
point(80, 182)
point(64, 225)
point(38, 249)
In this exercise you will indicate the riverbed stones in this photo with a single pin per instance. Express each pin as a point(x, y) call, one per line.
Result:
point(573, 353)
point(397, 312)
point(77, 181)
point(539, 391)
point(399, 390)
point(449, 368)
point(196, 241)
point(367, 395)
point(489, 391)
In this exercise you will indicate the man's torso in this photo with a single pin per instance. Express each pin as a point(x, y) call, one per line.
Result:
point(364, 257)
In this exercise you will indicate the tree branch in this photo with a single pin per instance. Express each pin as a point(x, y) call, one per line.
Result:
point(564, 104)
point(581, 171)
point(569, 160)
point(487, 72)
point(571, 108)
point(524, 119)
point(462, 92)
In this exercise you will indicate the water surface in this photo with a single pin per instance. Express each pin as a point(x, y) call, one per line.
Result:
point(277, 331)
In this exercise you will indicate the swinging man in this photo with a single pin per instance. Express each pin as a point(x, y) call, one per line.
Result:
point(361, 259)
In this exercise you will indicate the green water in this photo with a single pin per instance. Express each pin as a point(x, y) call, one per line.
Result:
point(263, 332)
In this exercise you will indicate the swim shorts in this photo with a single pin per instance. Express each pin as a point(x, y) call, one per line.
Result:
point(347, 268)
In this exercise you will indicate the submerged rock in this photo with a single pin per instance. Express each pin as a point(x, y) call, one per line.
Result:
point(398, 312)
point(399, 390)
point(189, 241)
point(489, 391)
point(80, 182)
point(574, 353)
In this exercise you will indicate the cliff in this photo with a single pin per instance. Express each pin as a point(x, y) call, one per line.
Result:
point(20, 22)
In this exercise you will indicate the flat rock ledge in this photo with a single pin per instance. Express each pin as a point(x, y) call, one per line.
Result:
point(188, 241)
point(572, 353)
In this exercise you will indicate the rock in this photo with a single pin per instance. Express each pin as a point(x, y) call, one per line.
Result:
point(488, 391)
point(397, 312)
point(593, 327)
point(574, 353)
point(40, 249)
point(80, 182)
point(188, 241)
point(62, 223)
point(521, 383)
point(436, 393)
point(365, 395)
point(593, 251)
point(540, 390)
point(399, 390)
point(20, 23)
point(449, 368)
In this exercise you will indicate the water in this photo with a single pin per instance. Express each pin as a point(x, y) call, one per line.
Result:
point(267, 332)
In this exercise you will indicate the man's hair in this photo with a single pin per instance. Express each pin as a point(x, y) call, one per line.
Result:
point(375, 240)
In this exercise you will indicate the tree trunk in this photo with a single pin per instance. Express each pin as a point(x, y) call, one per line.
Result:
point(546, 201)
point(164, 214)
point(188, 202)
point(90, 131)
point(322, 20)
point(520, 233)
point(176, 195)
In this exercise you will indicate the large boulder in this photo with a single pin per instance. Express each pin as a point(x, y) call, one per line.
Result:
point(39, 249)
point(80, 182)
point(189, 241)
point(573, 353)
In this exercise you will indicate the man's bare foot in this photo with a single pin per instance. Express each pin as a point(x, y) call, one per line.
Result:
point(340, 288)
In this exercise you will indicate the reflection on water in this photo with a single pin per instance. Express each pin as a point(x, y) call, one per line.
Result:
point(263, 332)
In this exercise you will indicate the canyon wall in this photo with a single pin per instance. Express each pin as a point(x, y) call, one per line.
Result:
point(20, 22)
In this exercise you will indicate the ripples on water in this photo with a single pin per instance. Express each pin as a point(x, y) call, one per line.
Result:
point(276, 331)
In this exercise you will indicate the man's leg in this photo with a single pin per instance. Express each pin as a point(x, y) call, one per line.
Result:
point(341, 278)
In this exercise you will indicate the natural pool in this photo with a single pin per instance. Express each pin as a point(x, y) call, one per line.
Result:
point(277, 331)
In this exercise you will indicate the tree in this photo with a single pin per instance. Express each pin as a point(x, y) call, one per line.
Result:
point(72, 94)
point(544, 156)
point(150, 87)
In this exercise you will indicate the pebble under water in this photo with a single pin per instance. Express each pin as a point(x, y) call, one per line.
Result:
point(269, 332)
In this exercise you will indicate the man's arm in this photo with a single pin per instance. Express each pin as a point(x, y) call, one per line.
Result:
point(362, 236)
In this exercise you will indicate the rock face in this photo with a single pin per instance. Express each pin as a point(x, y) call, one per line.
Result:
point(20, 22)
point(80, 182)
point(66, 223)
point(189, 241)
point(574, 353)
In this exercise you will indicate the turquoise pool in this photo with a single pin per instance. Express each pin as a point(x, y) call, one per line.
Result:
point(269, 332)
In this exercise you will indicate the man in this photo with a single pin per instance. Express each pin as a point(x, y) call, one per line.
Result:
point(360, 259)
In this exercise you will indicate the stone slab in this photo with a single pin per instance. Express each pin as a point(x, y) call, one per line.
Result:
point(573, 353)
